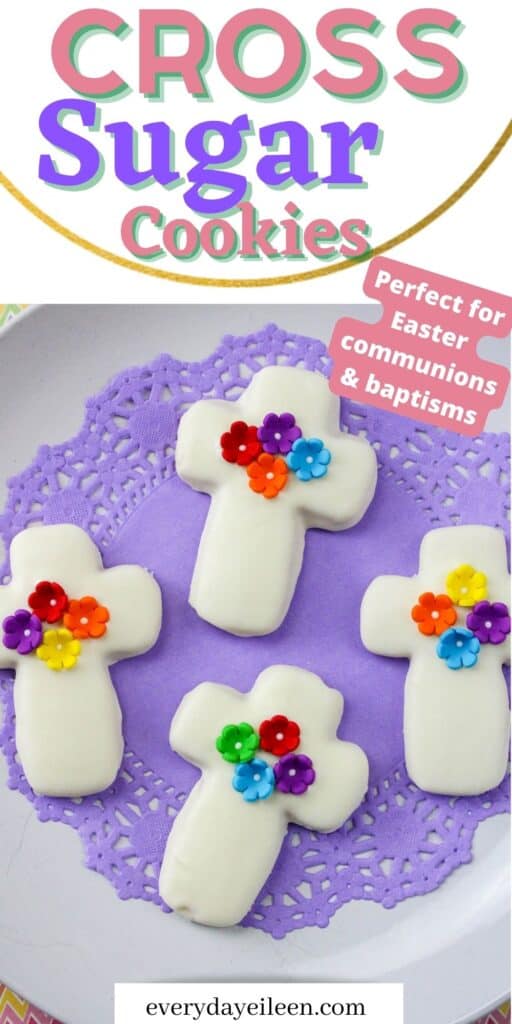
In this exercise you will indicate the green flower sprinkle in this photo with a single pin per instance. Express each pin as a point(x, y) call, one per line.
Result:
point(237, 743)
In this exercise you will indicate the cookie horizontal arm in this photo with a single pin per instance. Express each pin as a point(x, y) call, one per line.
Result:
point(204, 711)
point(134, 601)
point(340, 499)
point(340, 785)
point(10, 601)
point(198, 461)
point(386, 624)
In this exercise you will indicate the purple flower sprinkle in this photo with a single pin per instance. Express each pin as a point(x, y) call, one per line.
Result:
point(489, 622)
point(278, 433)
point(294, 773)
point(23, 631)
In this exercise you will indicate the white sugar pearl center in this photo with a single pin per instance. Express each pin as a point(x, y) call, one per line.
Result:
point(26, 632)
point(59, 647)
point(257, 777)
point(309, 459)
point(459, 643)
point(279, 735)
point(488, 624)
point(278, 436)
point(270, 476)
point(463, 590)
point(238, 746)
point(242, 447)
point(53, 602)
point(84, 620)
point(435, 615)
point(292, 772)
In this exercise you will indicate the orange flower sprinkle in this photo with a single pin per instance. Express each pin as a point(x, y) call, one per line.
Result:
point(86, 619)
point(433, 614)
point(268, 475)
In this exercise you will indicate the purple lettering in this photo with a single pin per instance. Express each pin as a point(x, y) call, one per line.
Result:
point(51, 127)
point(206, 175)
point(126, 141)
point(344, 145)
point(283, 168)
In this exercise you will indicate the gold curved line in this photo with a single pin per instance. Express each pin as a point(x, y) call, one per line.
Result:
point(261, 282)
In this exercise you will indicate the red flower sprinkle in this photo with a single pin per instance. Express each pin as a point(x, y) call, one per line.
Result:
point(49, 601)
point(279, 736)
point(240, 444)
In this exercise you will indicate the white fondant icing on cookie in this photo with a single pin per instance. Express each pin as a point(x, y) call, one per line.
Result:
point(456, 722)
point(68, 723)
point(222, 848)
point(251, 550)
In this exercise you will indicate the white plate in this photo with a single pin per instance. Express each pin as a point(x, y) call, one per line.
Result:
point(65, 937)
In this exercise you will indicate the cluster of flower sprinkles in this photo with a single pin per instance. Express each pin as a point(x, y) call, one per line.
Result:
point(254, 778)
point(74, 620)
point(486, 622)
point(270, 451)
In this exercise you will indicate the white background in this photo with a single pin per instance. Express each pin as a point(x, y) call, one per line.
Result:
point(429, 149)
point(383, 1004)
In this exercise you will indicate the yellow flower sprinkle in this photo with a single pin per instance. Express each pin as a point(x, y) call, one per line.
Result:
point(59, 649)
point(466, 586)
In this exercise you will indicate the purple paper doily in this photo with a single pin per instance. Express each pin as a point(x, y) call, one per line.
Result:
point(116, 479)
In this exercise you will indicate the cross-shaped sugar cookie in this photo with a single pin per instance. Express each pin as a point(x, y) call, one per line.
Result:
point(65, 620)
point(267, 758)
point(275, 464)
point(453, 622)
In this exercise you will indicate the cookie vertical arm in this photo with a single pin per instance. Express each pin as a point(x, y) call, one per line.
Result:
point(456, 724)
point(248, 561)
point(220, 852)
